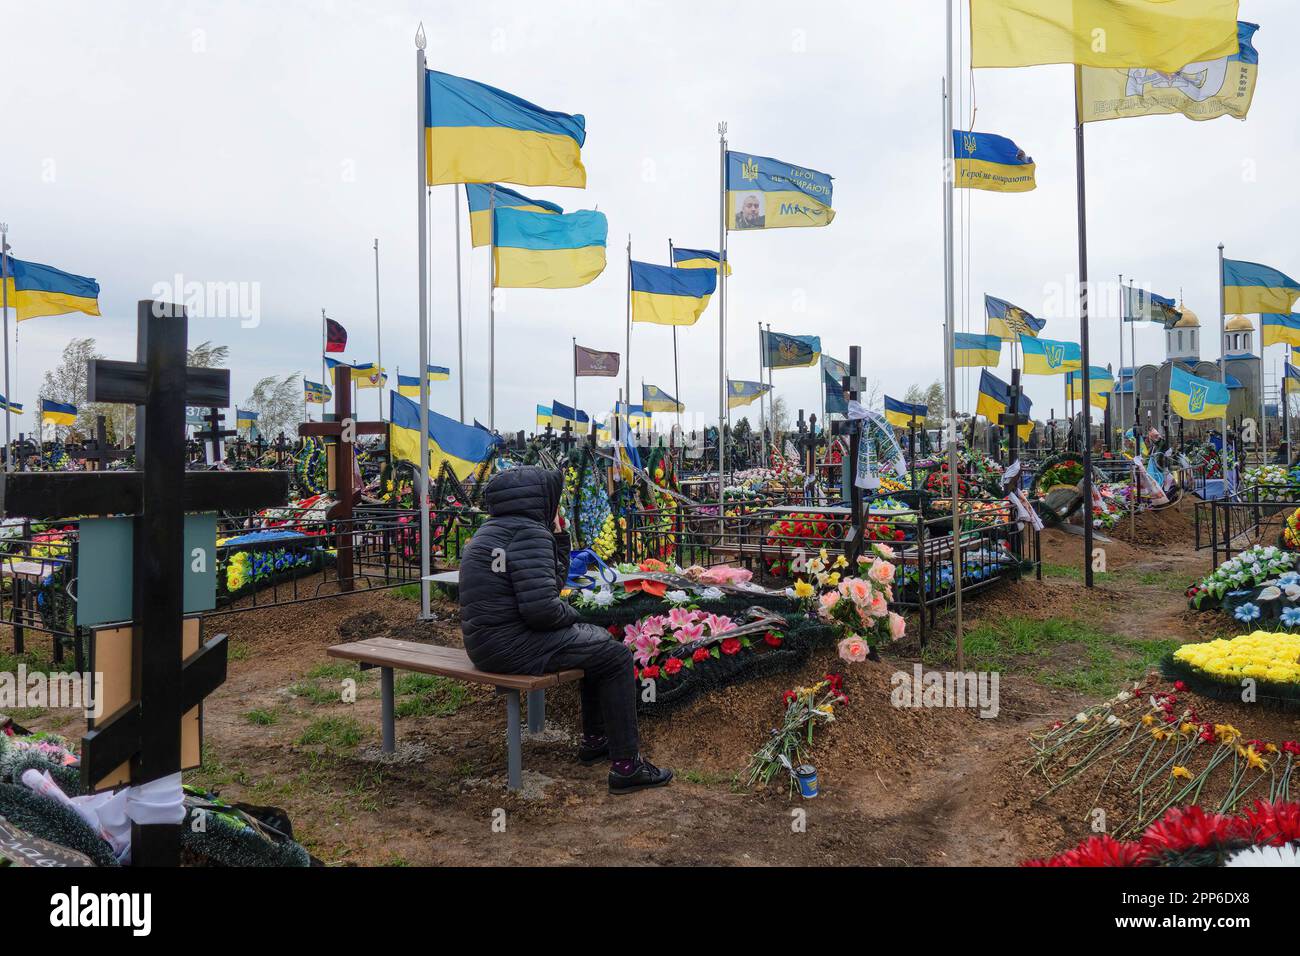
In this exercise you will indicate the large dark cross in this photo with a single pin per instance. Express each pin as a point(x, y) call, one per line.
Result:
point(98, 451)
point(1011, 419)
point(853, 385)
point(343, 429)
point(147, 731)
point(215, 433)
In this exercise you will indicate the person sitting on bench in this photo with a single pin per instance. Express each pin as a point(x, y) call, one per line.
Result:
point(515, 622)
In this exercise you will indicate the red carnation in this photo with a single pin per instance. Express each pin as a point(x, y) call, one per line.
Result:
point(771, 639)
point(1103, 850)
point(1189, 828)
point(788, 697)
point(650, 673)
point(1273, 824)
point(701, 654)
point(730, 645)
point(672, 665)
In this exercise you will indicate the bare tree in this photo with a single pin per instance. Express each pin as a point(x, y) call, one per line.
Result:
point(66, 383)
point(278, 403)
point(207, 355)
point(932, 398)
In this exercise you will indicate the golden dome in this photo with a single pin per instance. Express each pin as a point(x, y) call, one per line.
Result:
point(1239, 323)
point(1189, 319)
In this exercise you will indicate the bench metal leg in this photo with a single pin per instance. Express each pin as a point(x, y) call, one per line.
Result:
point(386, 695)
point(536, 711)
point(514, 743)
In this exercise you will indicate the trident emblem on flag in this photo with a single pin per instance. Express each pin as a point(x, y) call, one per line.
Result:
point(1196, 399)
point(1054, 354)
point(968, 144)
point(749, 169)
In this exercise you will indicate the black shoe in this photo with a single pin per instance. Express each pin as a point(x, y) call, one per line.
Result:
point(645, 776)
point(588, 754)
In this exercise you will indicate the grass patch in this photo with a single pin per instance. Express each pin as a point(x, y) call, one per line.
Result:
point(705, 778)
point(1060, 652)
point(335, 733)
point(428, 695)
point(323, 684)
point(411, 592)
point(262, 718)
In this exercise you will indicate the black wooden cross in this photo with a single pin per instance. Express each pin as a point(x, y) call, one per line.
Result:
point(97, 452)
point(343, 430)
point(1011, 419)
point(215, 433)
point(853, 385)
point(147, 732)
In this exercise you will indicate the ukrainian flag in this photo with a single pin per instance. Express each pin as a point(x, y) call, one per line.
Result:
point(1196, 398)
point(655, 399)
point(1136, 33)
point(765, 193)
point(698, 259)
point(790, 351)
point(1277, 328)
point(833, 373)
point(244, 417)
point(543, 416)
point(463, 447)
point(560, 414)
point(35, 290)
point(905, 414)
point(1291, 382)
point(1100, 383)
point(992, 162)
point(745, 393)
point(408, 385)
point(1046, 357)
point(58, 412)
point(971, 350)
point(475, 133)
point(438, 373)
point(315, 392)
point(995, 399)
point(534, 250)
point(484, 198)
point(14, 407)
point(667, 296)
point(1009, 321)
point(1251, 287)
point(368, 375)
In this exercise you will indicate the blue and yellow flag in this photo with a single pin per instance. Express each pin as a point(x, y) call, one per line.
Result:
point(992, 162)
point(1104, 33)
point(543, 416)
point(766, 193)
point(534, 250)
point(1203, 90)
point(745, 393)
point(698, 259)
point(667, 296)
point(560, 414)
point(905, 414)
point(15, 408)
point(315, 392)
point(833, 374)
point(369, 375)
point(1008, 322)
point(1048, 357)
point(790, 351)
point(1276, 328)
point(1251, 287)
point(1143, 306)
point(438, 373)
point(971, 350)
point(1291, 383)
point(482, 199)
point(995, 399)
point(408, 385)
point(475, 133)
point(244, 417)
point(1196, 398)
point(463, 447)
point(1100, 383)
point(655, 399)
point(58, 413)
point(35, 290)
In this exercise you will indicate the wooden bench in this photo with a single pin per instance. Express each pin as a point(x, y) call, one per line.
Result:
point(389, 655)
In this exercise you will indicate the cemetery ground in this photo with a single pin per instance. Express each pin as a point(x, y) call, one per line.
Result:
point(899, 786)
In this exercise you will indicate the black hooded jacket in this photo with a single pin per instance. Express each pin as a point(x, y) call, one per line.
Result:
point(511, 573)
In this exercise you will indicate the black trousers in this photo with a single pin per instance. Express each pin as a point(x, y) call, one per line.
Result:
point(608, 690)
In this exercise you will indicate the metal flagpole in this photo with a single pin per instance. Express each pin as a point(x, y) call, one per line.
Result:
point(575, 384)
point(627, 359)
point(1223, 374)
point(9, 397)
point(949, 368)
point(1081, 199)
point(677, 382)
point(460, 322)
point(1120, 394)
point(379, 335)
point(422, 485)
point(1133, 357)
point(722, 319)
point(1263, 408)
point(492, 307)
point(1286, 408)
point(762, 417)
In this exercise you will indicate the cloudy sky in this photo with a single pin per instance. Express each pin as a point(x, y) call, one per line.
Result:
point(269, 145)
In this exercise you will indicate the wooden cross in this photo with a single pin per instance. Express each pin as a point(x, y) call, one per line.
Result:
point(343, 430)
point(853, 385)
point(215, 433)
point(146, 733)
point(98, 452)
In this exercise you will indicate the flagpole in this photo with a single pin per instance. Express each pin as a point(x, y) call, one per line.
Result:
point(1122, 306)
point(949, 366)
point(771, 409)
point(1263, 408)
point(1081, 199)
point(575, 384)
point(1223, 373)
point(422, 484)
point(9, 398)
point(762, 418)
point(323, 343)
point(379, 335)
point(460, 323)
point(722, 319)
point(627, 364)
point(677, 382)
point(1133, 355)
point(492, 306)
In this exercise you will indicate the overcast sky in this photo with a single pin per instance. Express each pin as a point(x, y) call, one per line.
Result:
point(270, 144)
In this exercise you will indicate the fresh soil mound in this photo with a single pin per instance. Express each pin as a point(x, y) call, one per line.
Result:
point(1172, 525)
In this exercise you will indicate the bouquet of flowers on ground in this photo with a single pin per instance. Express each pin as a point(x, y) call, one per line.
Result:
point(1275, 475)
point(1252, 568)
point(659, 634)
point(858, 607)
point(1291, 533)
point(805, 708)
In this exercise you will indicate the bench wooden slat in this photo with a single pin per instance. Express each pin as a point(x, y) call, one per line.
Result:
point(444, 661)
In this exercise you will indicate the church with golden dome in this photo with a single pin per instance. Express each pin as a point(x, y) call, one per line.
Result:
point(1183, 346)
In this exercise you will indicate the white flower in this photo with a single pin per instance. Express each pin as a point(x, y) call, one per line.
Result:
point(1080, 718)
point(1266, 856)
point(677, 597)
point(603, 598)
point(1293, 592)
point(1269, 593)
point(711, 594)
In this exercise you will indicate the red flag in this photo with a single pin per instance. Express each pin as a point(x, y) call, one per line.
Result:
point(336, 337)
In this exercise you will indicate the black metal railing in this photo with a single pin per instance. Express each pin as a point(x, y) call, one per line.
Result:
point(1231, 524)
